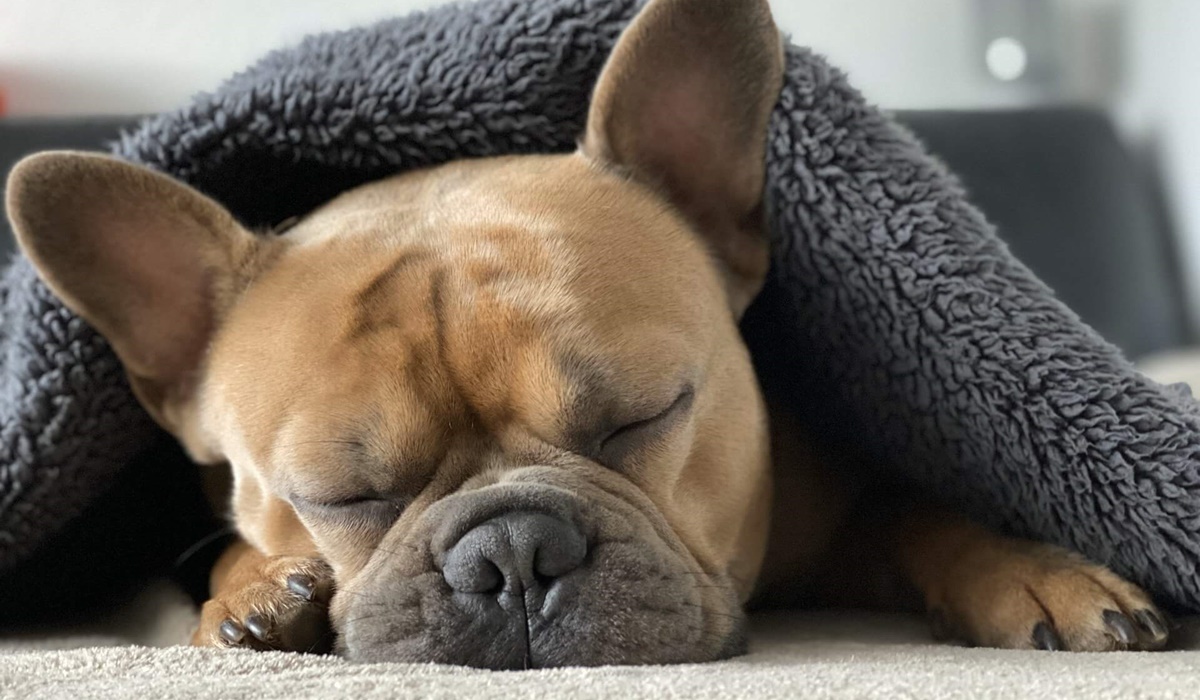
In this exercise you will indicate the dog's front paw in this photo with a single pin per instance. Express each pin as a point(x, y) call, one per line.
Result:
point(282, 606)
point(1031, 596)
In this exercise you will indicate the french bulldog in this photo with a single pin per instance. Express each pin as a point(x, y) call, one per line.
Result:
point(498, 412)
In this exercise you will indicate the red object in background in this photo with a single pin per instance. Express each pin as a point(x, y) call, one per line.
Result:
point(2, 103)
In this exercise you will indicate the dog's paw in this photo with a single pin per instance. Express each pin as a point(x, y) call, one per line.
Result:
point(1031, 596)
point(285, 606)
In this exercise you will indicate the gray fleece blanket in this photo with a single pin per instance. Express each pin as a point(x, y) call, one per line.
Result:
point(894, 316)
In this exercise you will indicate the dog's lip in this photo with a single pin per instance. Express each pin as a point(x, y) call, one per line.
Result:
point(530, 653)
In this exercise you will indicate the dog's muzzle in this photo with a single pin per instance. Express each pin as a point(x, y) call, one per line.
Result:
point(525, 574)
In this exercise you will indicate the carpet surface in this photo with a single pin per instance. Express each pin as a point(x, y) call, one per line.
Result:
point(813, 655)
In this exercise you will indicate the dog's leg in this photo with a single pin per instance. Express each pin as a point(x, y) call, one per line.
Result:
point(990, 590)
point(845, 537)
point(267, 602)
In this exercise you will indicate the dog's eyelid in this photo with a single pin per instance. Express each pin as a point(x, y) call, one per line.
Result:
point(682, 398)
point(682, 402)
point(349, 501)
point(357, 512)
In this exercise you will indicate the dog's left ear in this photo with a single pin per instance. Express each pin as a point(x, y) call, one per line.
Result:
point(150, 263)
point(683, 105)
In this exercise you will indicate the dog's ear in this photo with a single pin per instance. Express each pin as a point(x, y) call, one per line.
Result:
point(149, 262)
point(682, 105)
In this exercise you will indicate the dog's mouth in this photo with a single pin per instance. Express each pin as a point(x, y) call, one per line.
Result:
point(528, 574)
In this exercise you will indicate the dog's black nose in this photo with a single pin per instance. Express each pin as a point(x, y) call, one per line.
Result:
point(514, 553)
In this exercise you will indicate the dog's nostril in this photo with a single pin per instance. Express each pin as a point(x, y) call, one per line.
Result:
point(514, 552)
point(560, 551)
point(469, 570)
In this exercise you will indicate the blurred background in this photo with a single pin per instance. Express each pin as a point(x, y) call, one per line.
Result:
point(1074, 123)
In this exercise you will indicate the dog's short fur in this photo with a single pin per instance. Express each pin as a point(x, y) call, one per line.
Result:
point(498, 412)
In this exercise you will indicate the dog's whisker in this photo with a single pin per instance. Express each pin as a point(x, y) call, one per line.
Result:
point(393, 552)
point(203, 542)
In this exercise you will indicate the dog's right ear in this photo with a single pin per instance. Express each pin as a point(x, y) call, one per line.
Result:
point(149, 262)
point(683, 105)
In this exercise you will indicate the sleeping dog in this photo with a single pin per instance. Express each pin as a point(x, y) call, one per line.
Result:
point(498, 412)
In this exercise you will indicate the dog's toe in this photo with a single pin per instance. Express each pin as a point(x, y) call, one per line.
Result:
point(1120, 627)
point(1152, 626)
point(285, 609)
point(1041, 597)
point(1046, 638)
point(231, 632)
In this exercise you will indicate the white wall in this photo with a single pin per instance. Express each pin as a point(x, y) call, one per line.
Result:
point(122, 56)
point(116, 56)
point(1159, 109)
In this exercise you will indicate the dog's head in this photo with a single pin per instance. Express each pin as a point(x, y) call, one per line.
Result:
point(505, 399)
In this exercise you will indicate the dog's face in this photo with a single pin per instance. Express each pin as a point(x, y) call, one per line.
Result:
point(489, 352)
point(505, 399)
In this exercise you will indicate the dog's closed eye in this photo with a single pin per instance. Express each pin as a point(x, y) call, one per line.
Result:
point(368, 510)
point(615, 447)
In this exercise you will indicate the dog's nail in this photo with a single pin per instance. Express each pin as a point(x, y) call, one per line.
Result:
point(1120, 626)
point(1044, 637)
point(1152, 623)
point(302, 586)
point(232, 632)
point(257, 625)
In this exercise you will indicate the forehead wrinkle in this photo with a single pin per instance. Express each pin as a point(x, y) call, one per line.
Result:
point(501, 264)
point(470, 351)
point(437, 306)
point(498, 354)
point(378, 303)
point(369, 293)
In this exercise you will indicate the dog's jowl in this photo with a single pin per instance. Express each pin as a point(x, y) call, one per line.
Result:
point(498, 412)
